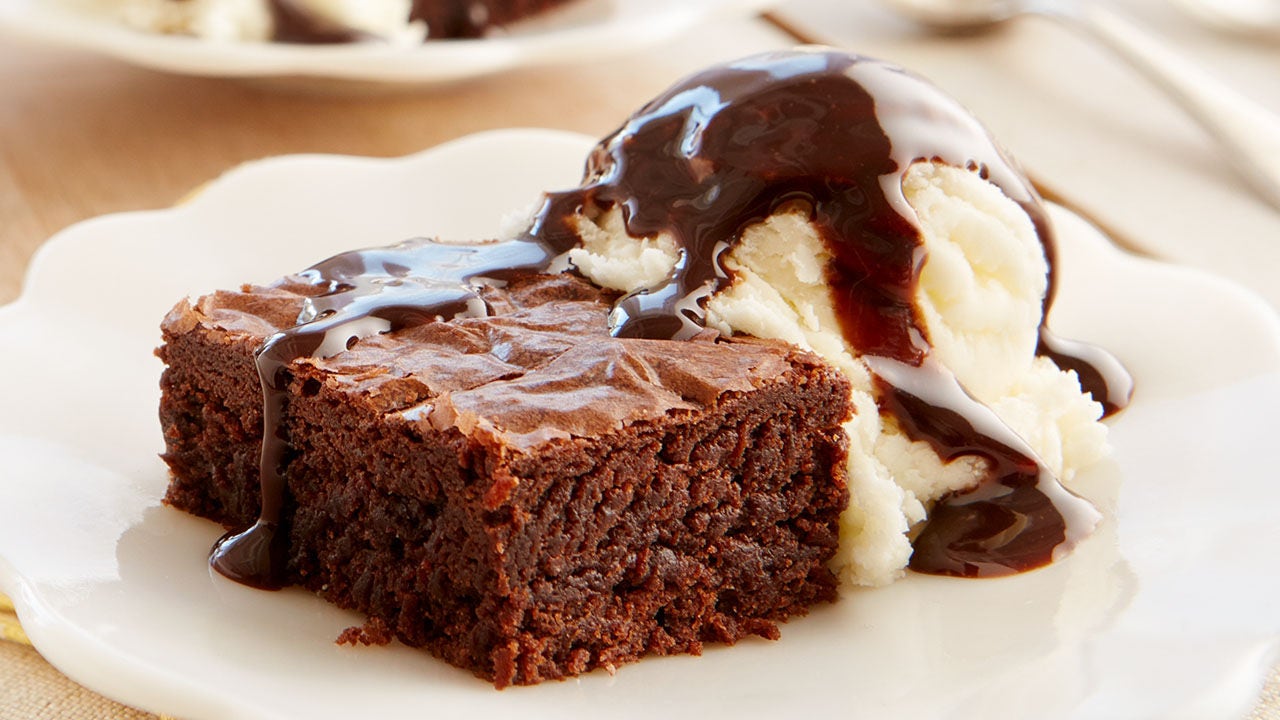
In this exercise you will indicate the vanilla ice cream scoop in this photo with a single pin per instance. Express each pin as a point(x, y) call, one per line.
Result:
point(849, 207)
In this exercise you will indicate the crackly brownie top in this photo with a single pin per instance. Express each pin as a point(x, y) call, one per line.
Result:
point(542, 366)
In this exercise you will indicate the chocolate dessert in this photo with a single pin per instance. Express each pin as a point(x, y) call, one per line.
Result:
point(636, 426)
point(403, 23)
point(473, 18)
point(518, 492)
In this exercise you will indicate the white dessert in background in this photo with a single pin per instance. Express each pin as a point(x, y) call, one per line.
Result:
point(980, 294)
point(225, 20)
point(251, 20)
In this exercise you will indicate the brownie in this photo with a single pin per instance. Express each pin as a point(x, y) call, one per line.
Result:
point(522, 494)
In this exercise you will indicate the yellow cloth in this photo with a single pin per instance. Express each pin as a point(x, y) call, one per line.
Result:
point(9, 628)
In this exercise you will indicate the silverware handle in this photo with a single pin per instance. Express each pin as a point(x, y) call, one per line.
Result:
point(1248, 131)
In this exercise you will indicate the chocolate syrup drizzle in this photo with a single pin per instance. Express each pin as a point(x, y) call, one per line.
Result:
point(716, 153)
point(726, 148)
point(364, 292)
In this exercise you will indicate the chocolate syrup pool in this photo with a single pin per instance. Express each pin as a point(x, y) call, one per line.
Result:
point(715, 154)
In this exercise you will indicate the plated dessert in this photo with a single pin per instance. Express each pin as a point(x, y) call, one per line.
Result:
point(326, 21)
point(790, 326)
point(391, 55)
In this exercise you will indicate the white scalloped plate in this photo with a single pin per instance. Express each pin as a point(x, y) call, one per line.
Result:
point(586, 31)
point(1169, 611)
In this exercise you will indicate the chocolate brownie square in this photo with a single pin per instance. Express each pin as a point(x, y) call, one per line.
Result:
point(522, 494)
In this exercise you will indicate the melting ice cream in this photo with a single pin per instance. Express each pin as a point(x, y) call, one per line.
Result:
point(851, 208)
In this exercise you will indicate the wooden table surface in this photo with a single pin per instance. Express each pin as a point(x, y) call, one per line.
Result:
point(81, 136)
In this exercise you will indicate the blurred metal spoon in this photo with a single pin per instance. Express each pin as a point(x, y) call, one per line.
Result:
point(1248, 133)
point(1257, 19)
